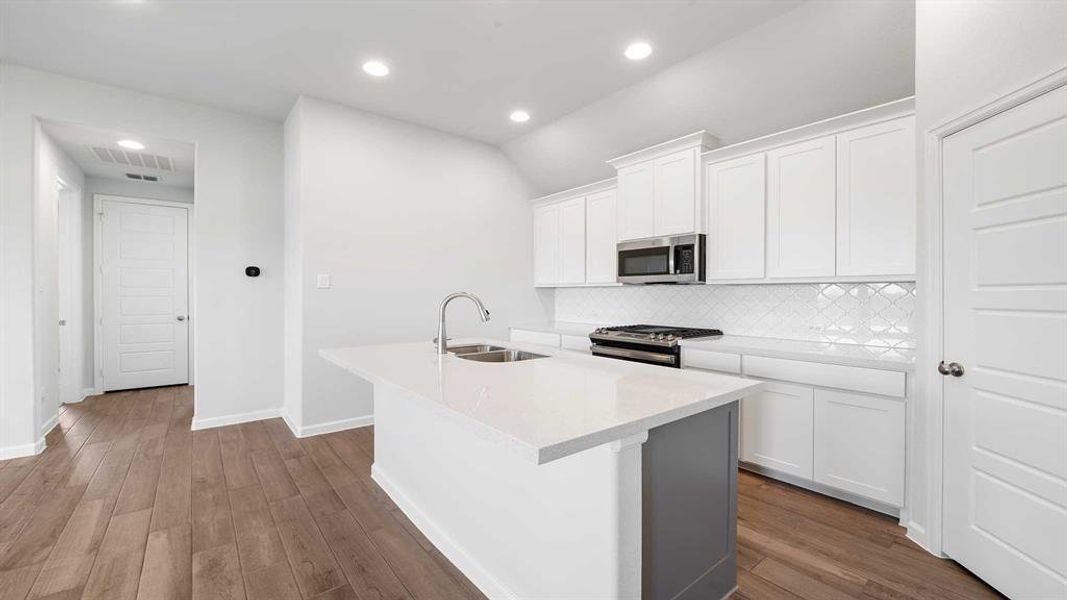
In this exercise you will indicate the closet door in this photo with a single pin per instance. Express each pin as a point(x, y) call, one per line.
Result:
point(801, 209)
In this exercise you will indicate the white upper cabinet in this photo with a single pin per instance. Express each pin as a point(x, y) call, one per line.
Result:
point(546, 245)
point(659, 189)
point(801, 209)
point(736, 192)
point(876, 199)
point(600, 239)
point(675, 191)
point(635, 203)
point(572, 241)
point(574, 236)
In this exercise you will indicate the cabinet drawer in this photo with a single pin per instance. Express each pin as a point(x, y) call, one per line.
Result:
point(858, 379)
point(777, 428)
point(859, 445)
point(574, 342)
point(535, 337)
point(693, 358)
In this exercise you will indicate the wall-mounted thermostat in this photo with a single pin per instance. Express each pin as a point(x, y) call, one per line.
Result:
point(252, 271)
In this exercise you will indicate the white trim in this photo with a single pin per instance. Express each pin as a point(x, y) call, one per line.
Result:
point(98, 300)
point(49, 425)
point(85, 393)
point(838, 124)
point(212, 422)
point(698, 139)
point(327, 427)
point(340, 425)
point(929, 384)
point(467, 564)
point(582, 190)
point(9, 452)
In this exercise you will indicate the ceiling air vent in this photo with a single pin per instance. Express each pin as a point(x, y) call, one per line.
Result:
point(142, 177)
point(145, 160)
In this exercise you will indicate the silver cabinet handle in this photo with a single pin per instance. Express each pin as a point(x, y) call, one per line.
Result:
point(954, 369)
point(181, 317)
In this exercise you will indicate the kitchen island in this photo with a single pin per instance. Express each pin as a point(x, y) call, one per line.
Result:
point(566, 476)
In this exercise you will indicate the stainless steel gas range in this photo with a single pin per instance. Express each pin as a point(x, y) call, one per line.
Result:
point(652, 344)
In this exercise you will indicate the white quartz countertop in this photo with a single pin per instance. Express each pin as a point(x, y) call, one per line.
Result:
point(544, 408)
point(854, 355)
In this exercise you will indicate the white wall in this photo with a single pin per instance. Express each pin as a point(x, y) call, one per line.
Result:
point(137, 189)
point(816, 61)
point(400, 216)
point(238, 221)
point(967, 55)
point(51, 164)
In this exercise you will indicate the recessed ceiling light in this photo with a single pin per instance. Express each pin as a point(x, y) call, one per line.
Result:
point(131, 144)
point(375, 68)
point(520, 116)
point(638, 51)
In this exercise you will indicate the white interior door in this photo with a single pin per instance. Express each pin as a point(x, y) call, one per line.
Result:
point(1005, 319)
point(68, 294)
point(145, 295)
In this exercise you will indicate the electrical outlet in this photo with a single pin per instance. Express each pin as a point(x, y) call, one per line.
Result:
point(323, 281)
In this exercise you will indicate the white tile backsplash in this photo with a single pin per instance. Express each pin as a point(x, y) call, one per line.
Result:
point(877, 314)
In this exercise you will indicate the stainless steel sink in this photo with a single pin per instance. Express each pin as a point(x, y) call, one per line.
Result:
point(502, 355)
point(474, 349)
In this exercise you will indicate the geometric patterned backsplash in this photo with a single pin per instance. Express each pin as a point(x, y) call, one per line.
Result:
point(873, 314)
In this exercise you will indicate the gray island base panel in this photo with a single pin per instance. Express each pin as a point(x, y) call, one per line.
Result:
point(689, 507)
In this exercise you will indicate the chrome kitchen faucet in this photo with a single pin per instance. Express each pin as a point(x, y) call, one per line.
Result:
point(442, 337)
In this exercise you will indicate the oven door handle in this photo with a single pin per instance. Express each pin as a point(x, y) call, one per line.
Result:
point(666, 359)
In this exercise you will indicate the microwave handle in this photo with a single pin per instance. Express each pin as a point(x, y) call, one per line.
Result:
point(670, 259)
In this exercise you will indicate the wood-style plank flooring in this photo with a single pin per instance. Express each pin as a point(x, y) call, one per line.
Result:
point(127, 502)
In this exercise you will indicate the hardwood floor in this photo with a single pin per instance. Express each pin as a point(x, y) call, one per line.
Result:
point(127, 502)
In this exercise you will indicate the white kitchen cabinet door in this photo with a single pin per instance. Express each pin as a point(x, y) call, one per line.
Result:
point(801, 209)
point(600, 238)
point(572, 241)
point(546, 245)
point(674, 193)
point(859, 444)
point(777, 428)
point(634, 202)
point(737, 205)
point(876, 199)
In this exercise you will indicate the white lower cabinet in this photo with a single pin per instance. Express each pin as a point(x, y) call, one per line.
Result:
point(580, 343)
point(859, 444)
point(777, 429)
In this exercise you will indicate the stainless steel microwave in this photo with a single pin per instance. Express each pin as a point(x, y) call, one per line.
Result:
point(677, 259)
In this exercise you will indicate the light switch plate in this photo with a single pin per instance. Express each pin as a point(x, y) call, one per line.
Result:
point(323, 281)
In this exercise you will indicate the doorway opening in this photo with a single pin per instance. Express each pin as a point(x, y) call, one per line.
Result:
point(123, 278)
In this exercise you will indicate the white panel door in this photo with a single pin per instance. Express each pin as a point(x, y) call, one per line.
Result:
point(876, 199)
point(675, 193)
point(801, 209)
point(859, 444)
point(600, 238)
point(737, 208)
point(145, 295)
point(572, 241)
point(634, 202)
point(777, 428)
point(1005, 324)
point(546, 245)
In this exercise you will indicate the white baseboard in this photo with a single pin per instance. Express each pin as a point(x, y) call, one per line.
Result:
point(49, 425)
point(467, 564)
point(9, 452)
point(332, 426)
point(212, 422)
point(328, 427)
point(85, 394)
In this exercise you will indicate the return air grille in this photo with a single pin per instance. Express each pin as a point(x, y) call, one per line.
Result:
point(142, 177)
point(145, 160)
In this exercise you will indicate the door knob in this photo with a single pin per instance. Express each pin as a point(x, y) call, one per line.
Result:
point(181, 317)
point(954, 369)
